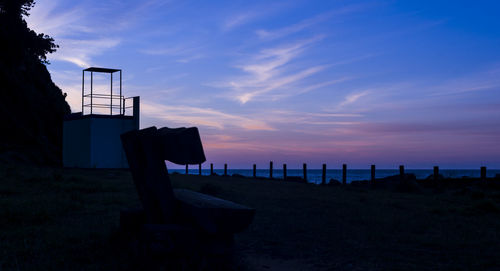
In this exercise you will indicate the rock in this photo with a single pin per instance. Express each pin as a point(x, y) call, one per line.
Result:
point(334, 182)
point(295, 179)
point(236, 175)
point(407, 184)
point(431, 177)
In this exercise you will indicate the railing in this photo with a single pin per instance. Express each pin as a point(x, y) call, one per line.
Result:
point(113, 107)
point(403, 174)
point(127, 107)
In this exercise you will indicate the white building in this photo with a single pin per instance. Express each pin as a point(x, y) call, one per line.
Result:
point(91, 138)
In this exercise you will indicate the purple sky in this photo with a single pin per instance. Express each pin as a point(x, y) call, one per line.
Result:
point(357, 82)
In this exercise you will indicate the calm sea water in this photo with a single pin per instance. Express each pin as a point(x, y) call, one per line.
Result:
point(314, 175)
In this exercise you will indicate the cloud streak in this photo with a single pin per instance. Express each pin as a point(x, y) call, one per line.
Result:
point(240, 19)
point(72, 29)
point(352, 98)
point(189, 115)
point(268, 71)
point(306, 23)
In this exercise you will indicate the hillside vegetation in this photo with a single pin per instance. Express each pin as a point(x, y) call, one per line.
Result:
point(32, 107)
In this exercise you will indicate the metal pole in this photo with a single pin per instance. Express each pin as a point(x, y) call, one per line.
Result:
point(323, 175)
point(83, 84)
point(372, 173)
point(344, 174)
point(111, 105)
point(284, 172)
point(121, 95)
point(271, 170)
point(136, 113)
point(91, 89)
point(402, 172)
point(304, 168)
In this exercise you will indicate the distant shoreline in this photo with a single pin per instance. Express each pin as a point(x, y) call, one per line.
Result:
point(315, 175)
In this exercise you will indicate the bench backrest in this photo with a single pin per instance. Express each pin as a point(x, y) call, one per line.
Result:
point(150, 174)
point(181, 145)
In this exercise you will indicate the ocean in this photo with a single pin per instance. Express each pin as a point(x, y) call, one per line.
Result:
point(314, 175)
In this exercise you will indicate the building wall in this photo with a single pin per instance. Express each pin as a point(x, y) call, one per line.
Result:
point(93, 141)
point(76, 143)
point(106, 149)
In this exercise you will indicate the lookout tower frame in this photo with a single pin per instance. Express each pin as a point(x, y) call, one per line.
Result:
point(91, 138)
point(89, 96)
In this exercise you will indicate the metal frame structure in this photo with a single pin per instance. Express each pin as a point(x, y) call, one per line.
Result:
point(121, 106)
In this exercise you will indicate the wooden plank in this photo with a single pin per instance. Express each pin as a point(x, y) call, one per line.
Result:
point(304, 169)
point(150, 174)
point(323, 175)
point(344, 174)
point(213, 215)
point(180, 145)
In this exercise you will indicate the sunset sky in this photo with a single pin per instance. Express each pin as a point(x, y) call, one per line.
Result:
point(357, 82)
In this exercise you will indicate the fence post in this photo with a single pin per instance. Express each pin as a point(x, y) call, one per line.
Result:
point(373, 173)
point(284, 172)
point(323, 176)
point(344, 174)
point(304, 168)
point(199, 169)
point(483, 173)
point(186, 169)
point(211, 169)
point(436, 173)
point(225, 169)
point(271, 170)
point(401, 172)
point(254, 170)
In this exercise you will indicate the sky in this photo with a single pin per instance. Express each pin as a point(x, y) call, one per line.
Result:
point(414, 83)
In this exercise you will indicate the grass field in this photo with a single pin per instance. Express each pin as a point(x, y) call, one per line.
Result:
point(67, 219)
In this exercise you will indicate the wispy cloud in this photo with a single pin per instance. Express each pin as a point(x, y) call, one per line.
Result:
point(183, 53)
point(297, 27)
point(279, 83)
point(267, 71)
point(281, 118)
point(353, 97)
point(73, 30)
point(240, 19)
point(189, 115)
point(305, 89)
point(81, 52)
point(250, 14)
point(45, 18)
point(489, 80)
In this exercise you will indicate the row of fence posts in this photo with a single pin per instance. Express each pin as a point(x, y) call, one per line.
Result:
point(323, 175)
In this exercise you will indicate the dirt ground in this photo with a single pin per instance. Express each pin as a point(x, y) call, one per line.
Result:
point(67, 219)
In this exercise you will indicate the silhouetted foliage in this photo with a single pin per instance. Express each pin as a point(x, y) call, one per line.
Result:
point(16, 8)
point(32, 107)
point(20, 42)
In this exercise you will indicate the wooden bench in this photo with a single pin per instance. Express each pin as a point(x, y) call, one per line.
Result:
point(176, 220)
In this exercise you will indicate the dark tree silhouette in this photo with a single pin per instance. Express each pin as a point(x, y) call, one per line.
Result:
point(32, 107)
point(22, 41)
